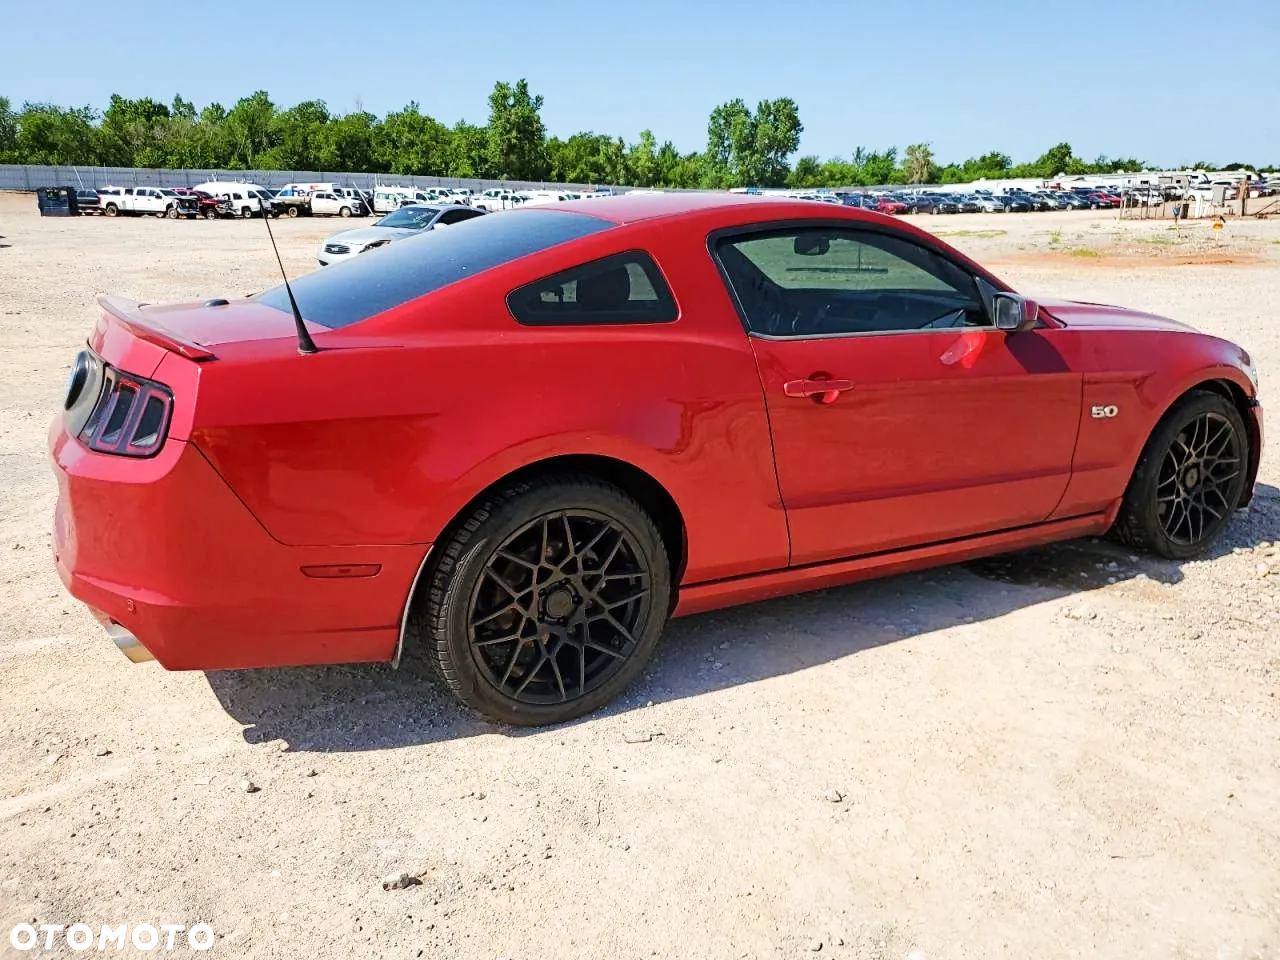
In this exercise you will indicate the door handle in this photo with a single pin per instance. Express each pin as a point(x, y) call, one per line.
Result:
point(823, 391)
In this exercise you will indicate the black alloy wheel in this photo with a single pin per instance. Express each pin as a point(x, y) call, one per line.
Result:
point(1189, 479)
point(548, 601)
point(555, 613)
point(1196, 477)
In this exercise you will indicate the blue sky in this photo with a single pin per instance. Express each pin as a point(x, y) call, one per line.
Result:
point(1120, 77)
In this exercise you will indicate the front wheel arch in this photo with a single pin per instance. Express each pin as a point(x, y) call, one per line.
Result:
point(1136, 524)
point(1244, 406)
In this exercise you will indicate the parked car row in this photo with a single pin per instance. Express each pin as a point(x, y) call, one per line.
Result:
point(980, 201)
point(1023, 200)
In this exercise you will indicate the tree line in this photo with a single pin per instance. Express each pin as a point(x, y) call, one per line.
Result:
point(744, 147)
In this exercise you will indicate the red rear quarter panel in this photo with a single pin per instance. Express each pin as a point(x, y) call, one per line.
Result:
point(388, 432)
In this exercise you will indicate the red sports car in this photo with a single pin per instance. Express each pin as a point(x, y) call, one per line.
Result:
point(527, 440)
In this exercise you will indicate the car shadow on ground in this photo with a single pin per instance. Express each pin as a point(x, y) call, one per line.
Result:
point(372, 707)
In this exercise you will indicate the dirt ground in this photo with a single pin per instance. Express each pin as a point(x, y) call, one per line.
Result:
point(1073, 752)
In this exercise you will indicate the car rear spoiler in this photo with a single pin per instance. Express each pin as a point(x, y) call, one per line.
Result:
point(129, 314)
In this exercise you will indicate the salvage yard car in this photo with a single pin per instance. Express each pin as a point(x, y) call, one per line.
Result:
point(140, 201)
point(244, 199)
point(520, 444)
point(396, 225)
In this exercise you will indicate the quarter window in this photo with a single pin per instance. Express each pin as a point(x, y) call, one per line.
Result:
point(824, 281)
point(625, 288)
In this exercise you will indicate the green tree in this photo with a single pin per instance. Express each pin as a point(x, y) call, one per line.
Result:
point(751, 149)
point(591, 158)
point(348, 143)
point(409, 142)
point(468, 151)
point(182, 109)
point(132, 132)
point(778, 130)
point(517, 136)
point(1057, 160)
point(875, 168)
point(642, 161)
point(49, 134)
point(8, 132)
point(247, 129)
point(296, 136)
point(918, 165)
point(808, 172)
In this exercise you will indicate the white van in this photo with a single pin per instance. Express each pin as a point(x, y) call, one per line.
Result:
point(246, 199)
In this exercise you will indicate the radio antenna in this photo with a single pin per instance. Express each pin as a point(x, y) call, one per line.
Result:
point(305, 343)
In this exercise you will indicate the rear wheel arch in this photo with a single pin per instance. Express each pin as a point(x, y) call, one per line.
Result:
point(638, 484)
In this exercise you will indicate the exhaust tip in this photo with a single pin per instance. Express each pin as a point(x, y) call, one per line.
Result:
point(128, 644)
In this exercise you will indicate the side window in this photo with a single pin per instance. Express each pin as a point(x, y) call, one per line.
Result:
point(823, 281)
point(457, 216)
point(624, 288)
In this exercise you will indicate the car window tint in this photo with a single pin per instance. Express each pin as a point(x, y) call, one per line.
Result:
point(625, 288)
point(457, 216)
point(348, 292)
point(816, 281)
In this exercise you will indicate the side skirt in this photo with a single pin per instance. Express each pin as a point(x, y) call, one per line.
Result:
point(717, 594)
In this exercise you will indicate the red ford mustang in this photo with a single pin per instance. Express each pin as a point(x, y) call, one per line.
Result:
point(527, 440)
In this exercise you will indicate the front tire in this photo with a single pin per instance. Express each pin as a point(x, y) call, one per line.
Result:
point(344, 212)
point(1189, 479)
point(246, 213)
point(547, 601)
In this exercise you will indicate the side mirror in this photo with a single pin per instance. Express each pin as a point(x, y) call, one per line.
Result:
point(1014, 312)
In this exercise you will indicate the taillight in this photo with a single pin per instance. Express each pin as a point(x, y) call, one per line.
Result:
point(131, 416)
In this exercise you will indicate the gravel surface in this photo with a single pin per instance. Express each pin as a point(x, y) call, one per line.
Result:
point(1070, 752)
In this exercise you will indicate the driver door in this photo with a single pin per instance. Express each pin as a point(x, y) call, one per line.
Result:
point(899, 415)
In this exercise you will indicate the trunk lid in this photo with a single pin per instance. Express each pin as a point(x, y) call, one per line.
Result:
point(193, 330)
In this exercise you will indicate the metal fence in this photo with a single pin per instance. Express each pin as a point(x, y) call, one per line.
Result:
point(23, 177)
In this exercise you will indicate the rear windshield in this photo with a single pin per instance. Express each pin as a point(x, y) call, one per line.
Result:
point(345, 293)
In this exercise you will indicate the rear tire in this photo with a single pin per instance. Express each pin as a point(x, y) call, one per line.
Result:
point(1189, 479)
point(291, 211)
point(547, 602)
point(246, 213)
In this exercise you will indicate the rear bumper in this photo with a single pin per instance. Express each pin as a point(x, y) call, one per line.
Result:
point(168, 557)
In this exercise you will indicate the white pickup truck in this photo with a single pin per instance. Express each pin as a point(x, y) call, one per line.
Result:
point(139, 201)
point(245, 199)
point(331, 203)
point(497, 199)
